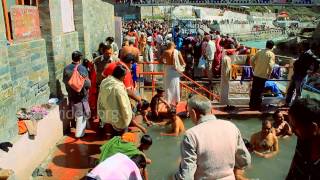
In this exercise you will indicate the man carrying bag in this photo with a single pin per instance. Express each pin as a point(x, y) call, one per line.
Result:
point(75, 78)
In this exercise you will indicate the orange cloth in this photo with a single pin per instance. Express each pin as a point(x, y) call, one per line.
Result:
point(234, 71)
point(22, 128)
point(253, 51)
point(129, 137)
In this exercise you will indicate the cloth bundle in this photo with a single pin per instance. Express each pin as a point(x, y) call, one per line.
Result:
point(27, 119)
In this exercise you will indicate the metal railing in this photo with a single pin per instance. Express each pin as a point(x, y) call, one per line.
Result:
point(152, 74)
point(183, 85)
point(212, 96)
point(225, 86)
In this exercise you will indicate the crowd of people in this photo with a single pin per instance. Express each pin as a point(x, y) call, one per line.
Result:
point(209, 1)
point(105, 89)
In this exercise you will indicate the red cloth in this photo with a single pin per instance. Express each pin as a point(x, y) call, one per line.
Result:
point(128, 81)
point(217, 58)
point(230, 51)
point(93, 92)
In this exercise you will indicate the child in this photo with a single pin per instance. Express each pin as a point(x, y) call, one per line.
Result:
point(145, 143)
point(177, 124)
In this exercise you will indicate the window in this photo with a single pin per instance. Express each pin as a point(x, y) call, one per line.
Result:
point(67, 16)
point(6, 5)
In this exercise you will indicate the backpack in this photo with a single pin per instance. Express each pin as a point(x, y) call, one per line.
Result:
point(76, 80)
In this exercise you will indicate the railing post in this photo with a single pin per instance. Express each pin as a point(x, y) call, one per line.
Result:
point(153, 84)
point(225, 77)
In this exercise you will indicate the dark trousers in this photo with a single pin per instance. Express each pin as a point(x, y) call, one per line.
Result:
point(256, 92)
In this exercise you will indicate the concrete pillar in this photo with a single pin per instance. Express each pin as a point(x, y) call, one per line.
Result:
point(225, 77)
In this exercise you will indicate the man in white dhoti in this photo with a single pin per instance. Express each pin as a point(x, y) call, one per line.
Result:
point(174, 64)
point(148, 56)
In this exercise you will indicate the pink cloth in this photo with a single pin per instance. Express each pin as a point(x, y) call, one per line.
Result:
point(118, 166)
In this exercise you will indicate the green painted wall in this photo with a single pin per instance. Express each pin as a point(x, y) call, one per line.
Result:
point(31, 72)
point(60, 45)
point(23, 79)
point(94, 21)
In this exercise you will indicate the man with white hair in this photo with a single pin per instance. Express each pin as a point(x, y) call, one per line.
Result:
point(213, 148)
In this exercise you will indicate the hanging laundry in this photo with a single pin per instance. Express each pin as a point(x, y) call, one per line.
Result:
point(234, 71)
point(247, 73)
point(253, 51)
point(276, 72)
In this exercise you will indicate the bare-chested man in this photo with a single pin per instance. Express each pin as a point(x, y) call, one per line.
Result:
point(171, 57)
point(130, 50)
point(282, 127)
point(176, 125)
point(265, 143)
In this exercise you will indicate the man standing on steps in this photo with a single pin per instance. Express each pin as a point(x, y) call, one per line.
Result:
point(262, 64)
point(307, 63)
point(78, 100)
point(209, 55)
point(101, 62)
point(148, 56)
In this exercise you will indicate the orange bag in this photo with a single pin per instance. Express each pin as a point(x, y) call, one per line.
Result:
point(22, 128)
point(76, 81)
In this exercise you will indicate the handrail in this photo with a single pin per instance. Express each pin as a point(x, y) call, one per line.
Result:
point(184, 85)
point(154, 62)
point(201, 87)
point(190, 89)
point(151, 73)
